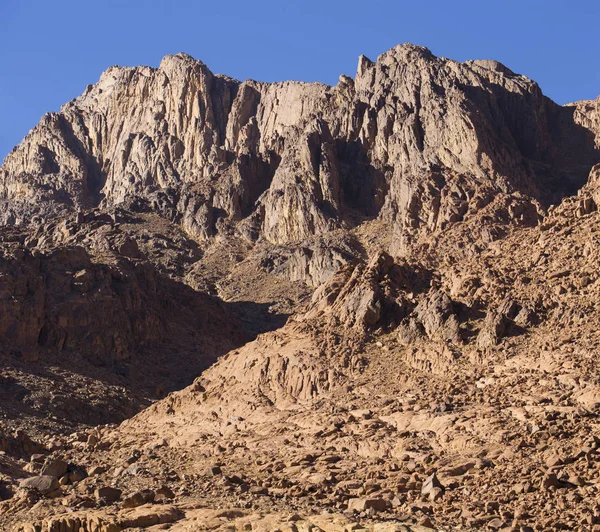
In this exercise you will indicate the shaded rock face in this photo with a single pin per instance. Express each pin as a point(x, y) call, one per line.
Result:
point(418, 140)
point(18, 444)
point(64, 301)
point(587, 114)
point(105, 300)
point(90, 327)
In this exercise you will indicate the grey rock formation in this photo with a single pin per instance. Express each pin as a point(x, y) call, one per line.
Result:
point(365, 296)
point(44, 484)
point(436, 315)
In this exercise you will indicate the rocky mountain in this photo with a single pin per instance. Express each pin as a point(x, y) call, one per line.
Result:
point(381, 296)
point(417, 140)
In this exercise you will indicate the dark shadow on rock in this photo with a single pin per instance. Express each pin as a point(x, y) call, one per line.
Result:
point(110, 340)
point(95, 177)
point(532, 141)
point(364, 187)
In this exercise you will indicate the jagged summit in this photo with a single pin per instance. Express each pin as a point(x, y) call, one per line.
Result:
point(392, 143)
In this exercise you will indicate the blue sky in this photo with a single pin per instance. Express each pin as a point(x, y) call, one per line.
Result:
point(50, 50)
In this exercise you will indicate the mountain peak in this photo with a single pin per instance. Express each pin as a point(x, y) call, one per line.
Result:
point(180, 59)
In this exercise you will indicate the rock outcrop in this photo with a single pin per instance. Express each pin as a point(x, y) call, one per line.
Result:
point(587, 114)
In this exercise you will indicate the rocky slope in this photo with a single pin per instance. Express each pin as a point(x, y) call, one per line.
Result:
point(464, 398)
point(429, 228)
point(86, 329)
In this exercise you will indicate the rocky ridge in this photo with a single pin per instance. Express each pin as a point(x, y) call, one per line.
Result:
point(419, 140)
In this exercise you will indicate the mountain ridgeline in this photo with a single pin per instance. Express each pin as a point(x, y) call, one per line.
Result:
point(415, 140)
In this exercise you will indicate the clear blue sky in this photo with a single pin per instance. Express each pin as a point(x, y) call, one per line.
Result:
point(51, 49)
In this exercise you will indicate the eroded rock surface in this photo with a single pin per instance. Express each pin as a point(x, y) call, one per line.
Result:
point(420, 140)
point(378, 302)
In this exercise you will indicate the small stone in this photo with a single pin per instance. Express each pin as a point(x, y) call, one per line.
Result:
point(96, 470)
point(32, 467)
point(491, 507)
point(92, 440)
point(138, 498)
point(77, 475)
point(55, 468)
point(411, 465)
point(132, 470)
point(213, 471)
point(259, 490)
point(496, 524)
point(426, 523)
point(165, 492)
point(435, 494)
point(107, 494)
point(430, 483)
point(360, 505)
point(134, 457)
point(554, 461)
point(576, 480)
point(44, 484)
point(523, 487)
point(550, 480)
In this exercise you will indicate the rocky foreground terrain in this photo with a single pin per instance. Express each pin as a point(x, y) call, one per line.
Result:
point(293, 307)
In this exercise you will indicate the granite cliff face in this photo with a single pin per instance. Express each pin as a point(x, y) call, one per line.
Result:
point(587, 114)
point(417, 140)
point(393, 280)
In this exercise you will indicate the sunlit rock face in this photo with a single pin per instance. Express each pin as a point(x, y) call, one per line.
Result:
point(420, 141)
